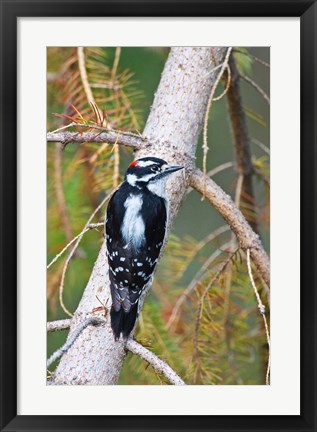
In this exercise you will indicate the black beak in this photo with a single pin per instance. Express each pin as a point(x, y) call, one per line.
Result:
point(171, 169)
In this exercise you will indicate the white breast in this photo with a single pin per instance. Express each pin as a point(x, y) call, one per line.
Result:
point(133, 226)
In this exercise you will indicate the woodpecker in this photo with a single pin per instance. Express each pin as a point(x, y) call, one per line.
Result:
point(135, 227)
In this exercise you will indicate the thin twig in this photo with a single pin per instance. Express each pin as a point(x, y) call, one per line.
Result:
point(115, 65)
point(210, 100)
point(200, 245)
point(104, 129)
point(190, 288)
point(116, 149)
point(92, 320)
point(157, 364)
point(256, 86)
point(85, 81)
point(61, 286)
point(59, 325)
point(220, 168)
point(90, 227)
point(218, 98)
point(261, 145)
point(201, 301)
point(262, 311)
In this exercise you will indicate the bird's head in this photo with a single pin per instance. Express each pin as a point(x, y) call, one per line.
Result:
point(150, 172)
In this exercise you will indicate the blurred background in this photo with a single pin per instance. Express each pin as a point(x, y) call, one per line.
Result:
point(221, 341)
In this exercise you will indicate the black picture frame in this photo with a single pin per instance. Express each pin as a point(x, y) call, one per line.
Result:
point(10, 11)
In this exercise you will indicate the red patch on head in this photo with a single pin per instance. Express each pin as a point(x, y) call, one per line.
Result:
point(134, 163)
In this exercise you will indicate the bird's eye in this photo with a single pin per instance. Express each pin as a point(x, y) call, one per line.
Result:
point(155, 168)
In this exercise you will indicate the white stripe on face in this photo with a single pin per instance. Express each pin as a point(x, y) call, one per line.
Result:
point(143, 164)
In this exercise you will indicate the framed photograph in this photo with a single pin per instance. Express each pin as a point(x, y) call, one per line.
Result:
point(152, 279)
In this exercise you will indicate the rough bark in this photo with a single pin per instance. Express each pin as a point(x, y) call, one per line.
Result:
point(173, 128)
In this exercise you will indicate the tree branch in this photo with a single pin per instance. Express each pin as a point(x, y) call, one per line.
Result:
point(247, 238)
point(133, 346)
point(58, 325)
point(84, 230)
point(92, 320)
point(65, 138)
point(157, 364)
point(241, 138)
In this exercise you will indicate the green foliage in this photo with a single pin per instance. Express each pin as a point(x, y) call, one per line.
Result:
point(231, 333)
point(244, 60)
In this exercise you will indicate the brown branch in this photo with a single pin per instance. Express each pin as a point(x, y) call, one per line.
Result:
point(241, 139)
point(211, 99)
point(65, 138)
point(247, 238)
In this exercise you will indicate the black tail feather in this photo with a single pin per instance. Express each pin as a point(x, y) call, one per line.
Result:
point(123, 322)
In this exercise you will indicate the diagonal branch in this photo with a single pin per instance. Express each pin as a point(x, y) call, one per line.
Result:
point(65, 138)
point(157, 364)
point(222, 202)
